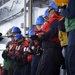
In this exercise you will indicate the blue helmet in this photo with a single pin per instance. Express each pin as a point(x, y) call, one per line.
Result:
point(39, 20)
point(31, 32)
point(16, 30)
point(46, 13)
point(17, 36)
point(53, 5)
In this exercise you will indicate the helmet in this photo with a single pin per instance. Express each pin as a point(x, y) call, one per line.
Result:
point(39, 20)
point(61, 2)
point(53, 5)
point(15, 29)
point(17, 36)
point(31, 32)
point(46, 13)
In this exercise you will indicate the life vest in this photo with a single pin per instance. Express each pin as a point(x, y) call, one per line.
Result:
point(11, 51)
point(61, 2)
point(46, 26)
point(24, 47)
point(37, 32)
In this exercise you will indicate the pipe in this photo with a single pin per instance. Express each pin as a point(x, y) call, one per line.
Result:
point(24, 17)
point(30, 14)
point(5, 19)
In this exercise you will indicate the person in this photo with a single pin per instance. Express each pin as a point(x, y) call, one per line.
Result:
point(68, 14)
point(14, 31)
point(22, 56)
point(45, 25)
point(37, 48)
point(7, 60)
point(52, 58)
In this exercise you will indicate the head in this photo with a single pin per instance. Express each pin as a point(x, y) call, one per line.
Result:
point(30, 32)
point(8, 45)
point(51, 12)
point(39, 22)
point(27, 37)
point(19, 38)
point(15, 30)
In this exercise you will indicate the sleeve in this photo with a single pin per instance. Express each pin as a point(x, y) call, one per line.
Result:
point(69, 11)
point(51, 33)
point(4, 54)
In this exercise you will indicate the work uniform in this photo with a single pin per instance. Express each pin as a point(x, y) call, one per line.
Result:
point(22, 59)
point(51, 59)
point(11, 56)
point(37, 52)
point(69, 16)
point(7, 62)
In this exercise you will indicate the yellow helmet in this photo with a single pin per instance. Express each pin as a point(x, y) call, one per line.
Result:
point(61, 2)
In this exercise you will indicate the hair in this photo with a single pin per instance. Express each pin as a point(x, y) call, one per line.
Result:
point(7, 45)
point(55, 11)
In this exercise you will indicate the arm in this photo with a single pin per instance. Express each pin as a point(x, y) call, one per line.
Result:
point(4, 54)
point(51, 33)
point(69, 12)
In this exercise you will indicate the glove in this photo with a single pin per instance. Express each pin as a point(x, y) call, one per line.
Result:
point(34, 37)
point(16, 53)
point(10, 53)
point(29, 58)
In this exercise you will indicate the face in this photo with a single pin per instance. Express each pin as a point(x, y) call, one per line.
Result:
point(46, 18)
point(14, 34)
point(27, 38)
point(51, 13)
point(9, 47)
point(20, 40)
point(38, 27)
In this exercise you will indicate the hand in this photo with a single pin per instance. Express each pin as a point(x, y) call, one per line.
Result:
point(16, 53)
point(34, 37)
point(10, 53)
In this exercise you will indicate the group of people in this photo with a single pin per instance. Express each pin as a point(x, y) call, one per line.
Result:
point(40, 51)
